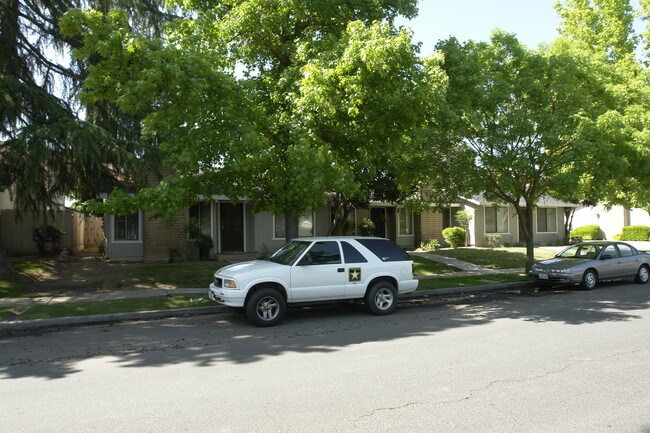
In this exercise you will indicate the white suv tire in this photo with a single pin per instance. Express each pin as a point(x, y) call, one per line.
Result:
point(381, 298)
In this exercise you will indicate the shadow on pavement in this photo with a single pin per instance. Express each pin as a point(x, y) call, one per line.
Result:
point(207, 341)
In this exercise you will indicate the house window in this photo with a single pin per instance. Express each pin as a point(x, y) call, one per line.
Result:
point(305, 226)
point(546, 220)
point(405, 222)
point(449, 217)
point(127, 227)
point(201, 214)
point(496, 220)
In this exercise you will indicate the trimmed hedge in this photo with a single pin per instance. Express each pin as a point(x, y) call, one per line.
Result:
point(454, 236)
point(587, 233)
point(635, 233)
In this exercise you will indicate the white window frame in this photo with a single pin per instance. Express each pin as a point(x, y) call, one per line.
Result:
point(537, 220)
point(313, 226)
point(497, 221)
point(125, 241)
point(410, 223)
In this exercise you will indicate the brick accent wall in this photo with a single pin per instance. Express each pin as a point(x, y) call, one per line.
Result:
point(160, 239)
point(428, 225)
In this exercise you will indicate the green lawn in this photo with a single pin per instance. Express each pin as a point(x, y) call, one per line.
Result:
point(30, 266)
point(183, 274)
point(495, 258)
point(104, 307)
point(451, 282)
point(429, 267)
point(13, 286)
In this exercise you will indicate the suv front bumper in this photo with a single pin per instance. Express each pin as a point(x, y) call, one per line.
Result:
point(229, 297)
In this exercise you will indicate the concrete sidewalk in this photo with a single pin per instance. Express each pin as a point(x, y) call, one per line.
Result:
point(54, 298)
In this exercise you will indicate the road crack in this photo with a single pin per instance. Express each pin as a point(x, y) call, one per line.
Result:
point(471, 393)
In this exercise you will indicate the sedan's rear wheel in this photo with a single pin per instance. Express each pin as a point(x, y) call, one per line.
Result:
point(589, 279)
point(642, 275)
point(266, 307)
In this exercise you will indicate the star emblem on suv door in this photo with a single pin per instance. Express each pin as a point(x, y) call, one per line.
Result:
point(354, 274)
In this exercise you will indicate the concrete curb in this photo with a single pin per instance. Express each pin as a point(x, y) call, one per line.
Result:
point(98, 319)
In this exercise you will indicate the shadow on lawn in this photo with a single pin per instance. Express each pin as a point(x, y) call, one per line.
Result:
point(228, 338)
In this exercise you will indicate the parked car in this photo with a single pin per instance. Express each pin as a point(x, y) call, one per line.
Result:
point(307, 270)
point(586, 263)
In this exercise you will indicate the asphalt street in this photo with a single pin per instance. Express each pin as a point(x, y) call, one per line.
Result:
point(556, 361)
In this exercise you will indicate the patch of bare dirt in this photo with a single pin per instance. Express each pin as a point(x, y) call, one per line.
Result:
point(79, 274)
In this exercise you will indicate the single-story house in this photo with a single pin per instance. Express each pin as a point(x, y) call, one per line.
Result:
point(235, 228)
point(490, 220)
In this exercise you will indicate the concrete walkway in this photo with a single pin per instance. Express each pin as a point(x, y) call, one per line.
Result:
point(51, 298)
point(465, 269)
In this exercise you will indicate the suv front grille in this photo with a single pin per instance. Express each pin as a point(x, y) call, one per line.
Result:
point(218, 282)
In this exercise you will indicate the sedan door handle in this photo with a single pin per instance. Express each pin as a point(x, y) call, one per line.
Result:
point(340, 270)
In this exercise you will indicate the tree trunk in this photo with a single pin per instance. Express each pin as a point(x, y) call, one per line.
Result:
point(526, 224)
point(340, 219)
point(290, 227)
point(5, 264)
point(568, 222)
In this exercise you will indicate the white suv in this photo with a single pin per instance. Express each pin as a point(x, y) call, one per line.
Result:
point(316, 269)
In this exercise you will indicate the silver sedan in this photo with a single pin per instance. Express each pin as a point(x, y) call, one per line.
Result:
point(586, 263)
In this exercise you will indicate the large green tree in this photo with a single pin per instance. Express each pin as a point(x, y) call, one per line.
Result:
point(527, 118)
point(371, 99)
point(604, 28)
point(49, 145)
point(239, 97)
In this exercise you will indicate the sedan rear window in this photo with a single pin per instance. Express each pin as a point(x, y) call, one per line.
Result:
point(386, 250)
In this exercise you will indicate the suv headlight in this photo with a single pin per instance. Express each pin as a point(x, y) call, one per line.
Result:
point(229, 284)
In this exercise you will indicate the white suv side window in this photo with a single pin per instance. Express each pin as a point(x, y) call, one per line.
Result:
point(322, 253)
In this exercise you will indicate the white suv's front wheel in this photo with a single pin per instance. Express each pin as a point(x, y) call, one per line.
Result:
point(266, 307)
point(381, 298)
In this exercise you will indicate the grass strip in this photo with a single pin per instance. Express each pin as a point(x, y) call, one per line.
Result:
point(422, 266)
point(72, 309)
point(453, 282)
point(184, 274)
point(495, 258)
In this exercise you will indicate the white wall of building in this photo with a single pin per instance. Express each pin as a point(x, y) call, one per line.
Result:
point(611, 221)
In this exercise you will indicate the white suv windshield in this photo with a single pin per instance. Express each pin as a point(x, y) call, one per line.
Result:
point(289, 253)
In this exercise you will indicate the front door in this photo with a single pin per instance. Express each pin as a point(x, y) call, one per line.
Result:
point(231, 219)
point(378, 216)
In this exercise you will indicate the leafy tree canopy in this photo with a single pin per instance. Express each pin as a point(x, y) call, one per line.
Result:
point(529, 118)
point(331, 92)
point(47, 148)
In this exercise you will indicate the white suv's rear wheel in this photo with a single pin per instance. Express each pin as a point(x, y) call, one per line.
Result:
point(381, 298)
point(266, 307)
